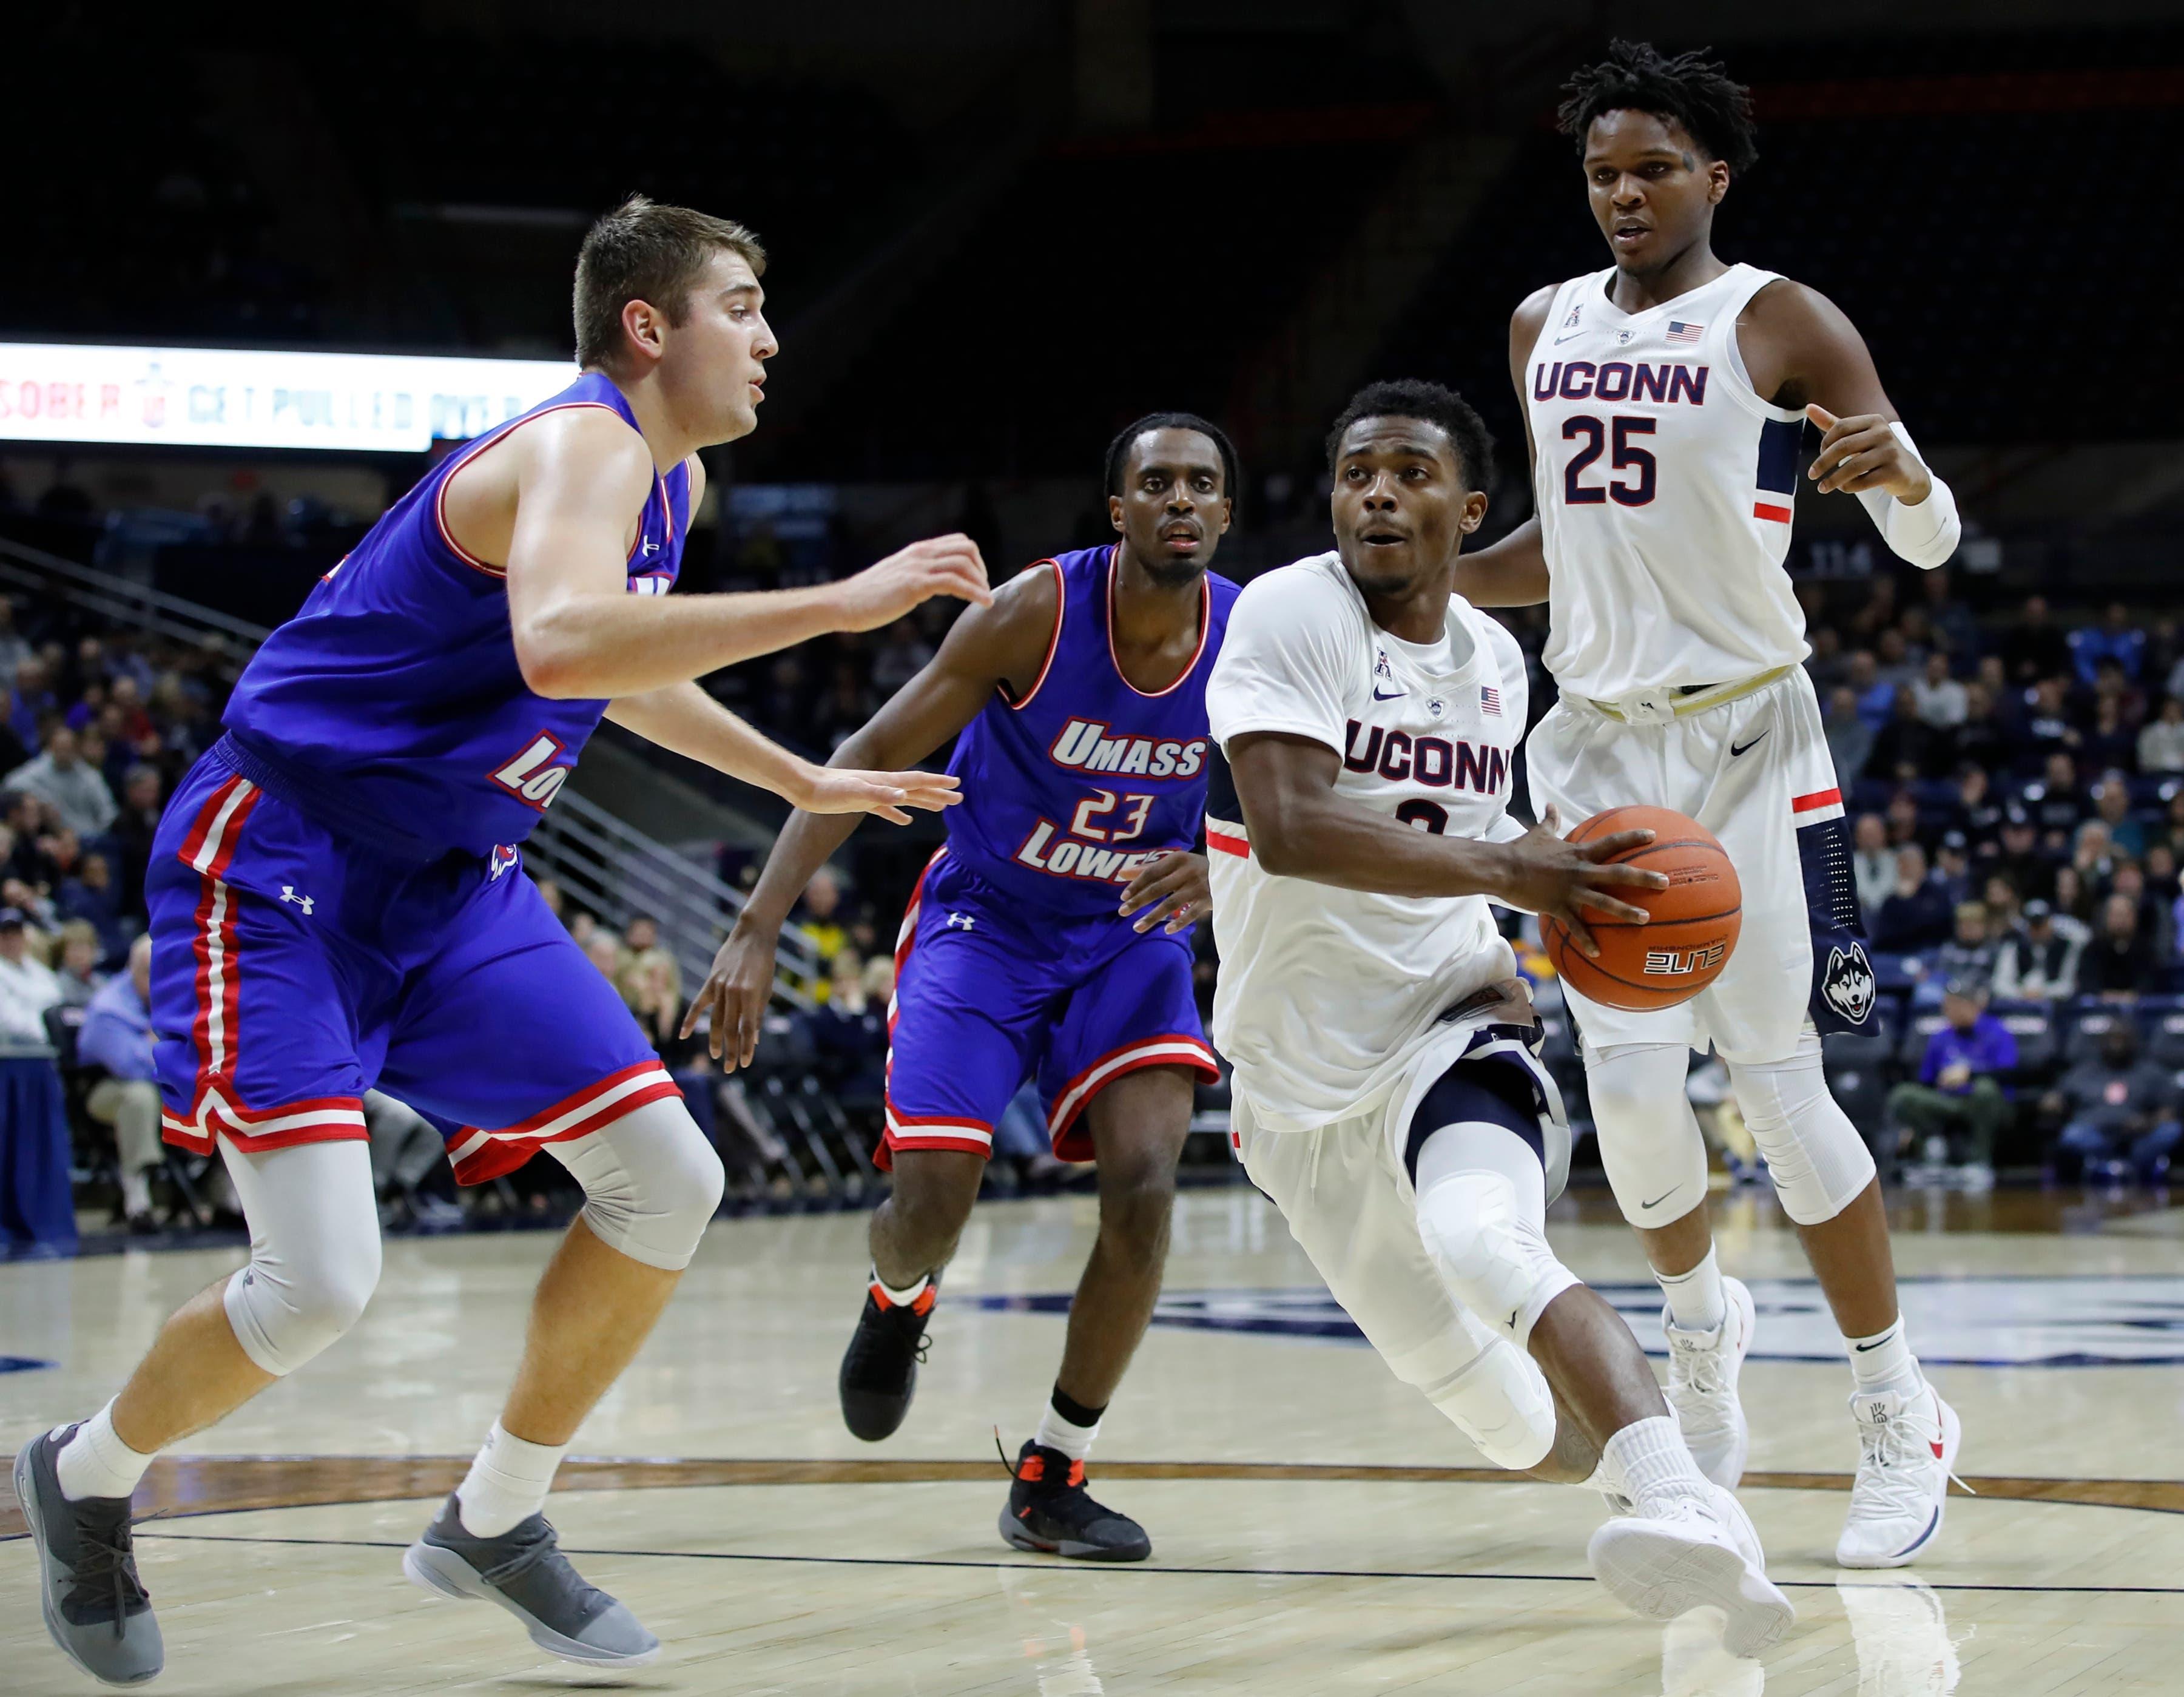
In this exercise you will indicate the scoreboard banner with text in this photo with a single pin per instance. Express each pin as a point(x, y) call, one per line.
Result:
point(253, 398)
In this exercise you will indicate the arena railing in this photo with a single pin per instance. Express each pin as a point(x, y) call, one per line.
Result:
point(606, 865)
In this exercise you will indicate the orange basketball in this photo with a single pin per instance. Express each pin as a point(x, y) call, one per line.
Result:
point(1695, 920)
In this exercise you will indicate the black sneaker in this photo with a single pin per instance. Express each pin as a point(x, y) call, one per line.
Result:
point(524, 1570)
point(95, 1606)
point(1051, 1511)
point(879, 1369)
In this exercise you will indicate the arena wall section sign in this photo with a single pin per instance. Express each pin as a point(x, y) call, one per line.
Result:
point(260, 398)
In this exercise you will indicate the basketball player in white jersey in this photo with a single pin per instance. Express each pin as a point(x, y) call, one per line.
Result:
point(1665, 399)
point(1387, 1093)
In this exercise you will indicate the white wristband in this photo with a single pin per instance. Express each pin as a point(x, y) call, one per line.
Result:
point(1926, 534)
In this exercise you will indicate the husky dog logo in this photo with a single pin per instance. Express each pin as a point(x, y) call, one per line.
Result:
point(1848, 984)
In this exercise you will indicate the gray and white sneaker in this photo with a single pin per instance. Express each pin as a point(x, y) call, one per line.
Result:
point(1702, 1373)
point(524, 1570)
point(95, 1606)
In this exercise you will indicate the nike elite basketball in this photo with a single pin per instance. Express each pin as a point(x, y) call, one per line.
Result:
point(1694, 924)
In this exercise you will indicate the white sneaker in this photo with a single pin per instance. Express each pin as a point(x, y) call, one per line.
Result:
point(1904, 1649)
point(1689, 1549)
point(1907, 1447)
point(1702, 1372)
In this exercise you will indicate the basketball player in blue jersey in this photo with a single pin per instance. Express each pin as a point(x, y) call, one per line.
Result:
point(1665, 399)
point(337, 901)
point(1050, 940)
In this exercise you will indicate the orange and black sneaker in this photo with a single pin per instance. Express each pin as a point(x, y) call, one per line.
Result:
point(879, 1369)
point(1051, 1511)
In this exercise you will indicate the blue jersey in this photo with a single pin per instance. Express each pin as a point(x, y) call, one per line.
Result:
point(392, 708)
point(1070, 791)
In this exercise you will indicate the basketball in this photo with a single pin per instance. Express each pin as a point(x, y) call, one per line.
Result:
point(1695, 920)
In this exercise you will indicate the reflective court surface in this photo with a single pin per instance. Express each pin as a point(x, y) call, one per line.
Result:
point(1316, 1527)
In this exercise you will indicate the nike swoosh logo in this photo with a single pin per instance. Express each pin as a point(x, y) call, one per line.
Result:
point(1862, 1348)
point(1735, 748)
point(1571, 336)
point(1395, 697)
point(1659, 1199)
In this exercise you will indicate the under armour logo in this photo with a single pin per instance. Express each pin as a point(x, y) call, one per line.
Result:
point(963, 921)
point(288, 894)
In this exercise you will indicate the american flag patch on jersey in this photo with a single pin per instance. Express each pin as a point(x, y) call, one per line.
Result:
point(1489, 699)
point(1684, 332)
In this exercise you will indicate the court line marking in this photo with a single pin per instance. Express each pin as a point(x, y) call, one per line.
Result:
point(1136, 1567)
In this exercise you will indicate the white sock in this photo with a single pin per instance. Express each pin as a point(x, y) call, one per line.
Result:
point(904, 1297)
point(1608, 1479)
point(1056, 1431)
point(1651, 1455)
point(136, 1194)
point(97, 1463)
point(1697, 1302)
point(507, 1483)
point(1884, 1361)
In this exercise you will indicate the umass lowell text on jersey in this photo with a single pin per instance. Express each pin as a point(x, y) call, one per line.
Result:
point(1071, 792)
point(392, 707)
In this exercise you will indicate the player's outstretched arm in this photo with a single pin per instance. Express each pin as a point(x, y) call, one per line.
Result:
point(1004, 643)
point(1512, 573)
point(683, 718)
point(1300, 827)
point(580, 476)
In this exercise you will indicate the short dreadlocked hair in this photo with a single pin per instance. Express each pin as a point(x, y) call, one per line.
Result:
point(1118, 450)
point(1688, 89)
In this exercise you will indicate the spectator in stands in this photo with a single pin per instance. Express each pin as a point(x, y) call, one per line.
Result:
point(14, 751)
point(819, 911)
point(2038, 962)
point(1958, 1105)
point(2053, 798)
point(903, 654)
point(1873, 863)
point(2093, 855)
point(27, 986)
point(1903, 820)
point(2004, 907)
point(651, 984)
point(646, 952)
point(2118, 964)
point(549, 892)
point(78, 973)
point(584, 927)
point(2129, 882)
point(1850, 739)
point(2112, 805)
point(2019, 858)
point(134, 826)
point(1939, 698)
point(2119, 1109)
point(2111, 740)
point(2073, 900)
point(90, 895)
point(117, 1037)
point(76, 790)
point(1953, 866)
point(1969, 955)
point(1982, 740)
point(850, 1028)
point(2033, 648)
point(604, 951)
point(14, 651)
point(2161, 742)
point(35, 702)
point(2046, 728)
point(1916, 914)
point(1895, 665)
point(1952, 623)
point(1876, 699)
point(2116, 638)
point(1977, 812)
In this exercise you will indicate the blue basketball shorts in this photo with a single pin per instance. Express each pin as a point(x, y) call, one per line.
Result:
point(293, 969)
point(988, 995)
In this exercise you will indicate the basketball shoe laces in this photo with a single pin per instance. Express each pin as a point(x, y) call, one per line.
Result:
point(1893, 1453)
point(105, 1575)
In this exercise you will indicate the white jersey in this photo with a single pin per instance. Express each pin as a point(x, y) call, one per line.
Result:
point(1664, 486)
point(1324, 992)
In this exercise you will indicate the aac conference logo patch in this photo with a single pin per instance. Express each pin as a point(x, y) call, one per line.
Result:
point(2095, 1321)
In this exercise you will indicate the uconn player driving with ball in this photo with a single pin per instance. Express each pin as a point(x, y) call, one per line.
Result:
point(1050, 940)
point(337, 902)
point(1388, 1094)
point(1664, 399)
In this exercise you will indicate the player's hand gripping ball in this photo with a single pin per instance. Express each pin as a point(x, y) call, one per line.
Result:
point(1694, 921)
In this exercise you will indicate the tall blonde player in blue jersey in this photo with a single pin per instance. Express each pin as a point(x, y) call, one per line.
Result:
point(336, 899)
point(1664, 399)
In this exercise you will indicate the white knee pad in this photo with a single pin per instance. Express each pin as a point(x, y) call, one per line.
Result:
point(314, 1250)
point(651, 1183)
point(1649, 1142)
point(1481, 1225)
point(1817, 1161)
point(1500, 1401)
